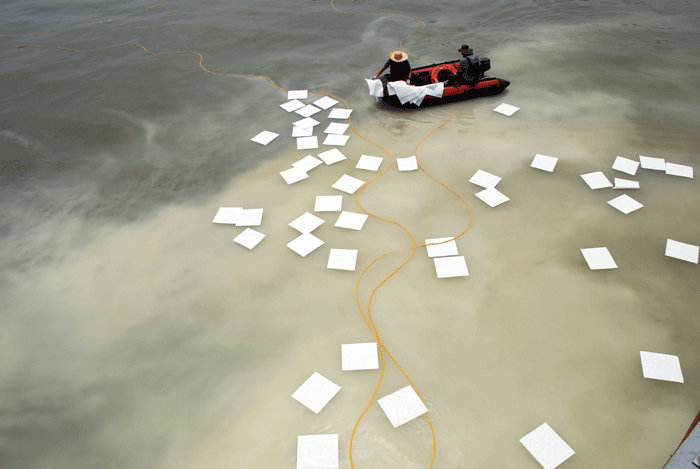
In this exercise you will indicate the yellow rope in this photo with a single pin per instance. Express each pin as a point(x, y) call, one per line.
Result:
point(83, 25)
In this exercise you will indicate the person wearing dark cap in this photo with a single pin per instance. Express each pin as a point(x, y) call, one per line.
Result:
point(469, 70)
point(399, 68)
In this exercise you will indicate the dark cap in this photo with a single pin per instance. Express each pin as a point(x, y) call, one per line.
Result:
point(465, 48)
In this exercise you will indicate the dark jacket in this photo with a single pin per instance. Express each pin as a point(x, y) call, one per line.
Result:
point(398, 70)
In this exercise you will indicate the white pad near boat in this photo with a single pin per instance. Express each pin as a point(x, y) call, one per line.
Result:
point(414, 94)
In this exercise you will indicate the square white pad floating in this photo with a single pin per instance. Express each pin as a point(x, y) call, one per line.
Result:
point(448, 267)
point(625, 184)
point(448, 248)
point(306, 223)
point(625, 165)
point(370, 163)
point(299, 132)
point(506, 109)
point(340, 113)
point(351, 220)
point(546, 446)
point(332, 156)
point(673, 169)
point(402, 406)
point(682, 251)
point(657, 164)
point(357, 357)
point(661, 366)
point(325, 102)
point(328, 203)
point(304, 244)
point(492, 197)
point(348, 184)
point(297, 94)
point(338, 140)
point(316, 392)
point(596, 180)
point(227, 215)
point(264, 137)
point(407, 164)
point(307, 143)
point(544, 162)
point(250, 217)
point(307, 111)
point(249, 238)
point(336, 128)
point(598, 258)
point(625, 204)
point(484, 179)
point(293, 175)
point(306, 123)
point(317, 452)
point(292, 105)
point(307, 163)
point(342, 259)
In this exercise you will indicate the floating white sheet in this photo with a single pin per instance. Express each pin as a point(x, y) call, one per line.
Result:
point(264, 137)
point(625, 184)
point(375, 87)
point(451, 266)
point(227, 215)
point(325, 102)
point(316, 392)
point(331, 156)
point(492, 197)
point(351, 220)
point(337, 140)
point(317, 452)
point(249, 238)
point(661, 366)
point(407, 164)
point(548, 448)
point(336, 128)
point(337, 113)
point(328, 203)
point(484, 179)
point(370, 163)
point(447, 248)
point(348, 184)
point(544, 162)
point(307, 163)
point(506, 109)
point(308, 110)
point(306, 223)
point(625, 165)
point(250, 217)
point(673, 169)
point(625, 204)
point(302, 132)
point(293, 175)
point(657, 164)
point(596, 180)
point(598, 258)
point(297, 94)
point(357, 357)
point(342, 259)
point(414, 94)
point(292, 105)
point(402, 406)
point(307, 143)
point(682, 251)
point(307, 122)
point(304, 244)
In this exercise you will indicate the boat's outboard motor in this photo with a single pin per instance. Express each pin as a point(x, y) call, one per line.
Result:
point(484, 64)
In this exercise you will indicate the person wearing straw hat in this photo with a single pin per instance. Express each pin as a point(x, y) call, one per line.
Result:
point(399, 68)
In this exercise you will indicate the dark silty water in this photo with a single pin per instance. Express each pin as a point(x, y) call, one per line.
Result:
point(135, 334)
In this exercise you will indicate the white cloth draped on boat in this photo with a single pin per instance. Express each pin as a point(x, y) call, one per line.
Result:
point(406, 93)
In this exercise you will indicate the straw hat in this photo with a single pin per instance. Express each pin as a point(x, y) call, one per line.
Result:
point(398, 56)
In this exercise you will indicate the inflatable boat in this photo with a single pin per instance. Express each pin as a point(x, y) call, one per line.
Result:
point(440, 86)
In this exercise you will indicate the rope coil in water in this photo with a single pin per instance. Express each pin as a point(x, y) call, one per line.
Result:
point(368, 316)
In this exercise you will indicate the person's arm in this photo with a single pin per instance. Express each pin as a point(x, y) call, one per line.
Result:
point(386, 65)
